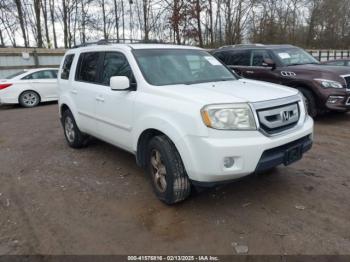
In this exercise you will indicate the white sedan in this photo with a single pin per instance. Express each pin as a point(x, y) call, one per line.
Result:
point(30, 87)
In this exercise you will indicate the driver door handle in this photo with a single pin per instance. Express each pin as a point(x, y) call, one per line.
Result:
point(249, 72)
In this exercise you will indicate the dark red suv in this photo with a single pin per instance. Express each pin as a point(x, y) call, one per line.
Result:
point(324, 87)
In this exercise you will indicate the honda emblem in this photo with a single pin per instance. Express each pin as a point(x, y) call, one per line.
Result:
point(285, 116)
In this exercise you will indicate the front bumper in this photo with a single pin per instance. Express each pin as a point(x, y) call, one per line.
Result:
point(204, 157)
point(336, 100)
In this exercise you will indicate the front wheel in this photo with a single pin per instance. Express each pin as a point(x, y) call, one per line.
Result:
point(169, 178)
point(310, 102)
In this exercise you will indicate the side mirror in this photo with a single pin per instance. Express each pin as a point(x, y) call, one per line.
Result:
point(119, 83)
point(269, 63)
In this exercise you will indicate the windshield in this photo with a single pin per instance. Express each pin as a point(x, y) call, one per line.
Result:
point(294, 56)
point(180, 66)
point(14, 75)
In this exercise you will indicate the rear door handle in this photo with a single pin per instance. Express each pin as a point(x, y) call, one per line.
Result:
point(74, 92)
point(249, 72)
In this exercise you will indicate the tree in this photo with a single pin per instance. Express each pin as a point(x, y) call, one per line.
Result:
point(37, 9)
point(21, 21)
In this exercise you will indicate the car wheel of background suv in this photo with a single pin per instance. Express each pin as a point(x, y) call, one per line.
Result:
point(310, 102)
point(169, 178)
point(75, 138)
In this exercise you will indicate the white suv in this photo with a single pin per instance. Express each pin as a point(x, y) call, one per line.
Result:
point(185, 116)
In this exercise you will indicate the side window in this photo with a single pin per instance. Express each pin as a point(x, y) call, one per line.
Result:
point(258, 57)
point(54, 73)
point(87, 67)
point(47, 74)
point(115, 64)
point(238, 58)
point(67, 64)
point(337, 63)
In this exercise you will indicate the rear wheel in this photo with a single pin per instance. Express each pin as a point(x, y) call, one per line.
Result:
point(75, 138)
point(29, 99)
point(169, 178)
point(310, 102)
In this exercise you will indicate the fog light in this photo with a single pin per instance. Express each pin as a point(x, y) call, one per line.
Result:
point(229, 162)
point(335, 99)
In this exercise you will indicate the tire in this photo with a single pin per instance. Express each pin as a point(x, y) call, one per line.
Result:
point(29, 99)
point(75, 138)
point(310, 102)
point(167, 172)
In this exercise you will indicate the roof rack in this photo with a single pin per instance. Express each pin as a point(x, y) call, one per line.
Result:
point(242, 45)
point(119, 41)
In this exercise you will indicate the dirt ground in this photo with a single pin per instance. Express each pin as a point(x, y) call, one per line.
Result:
point(56, 200)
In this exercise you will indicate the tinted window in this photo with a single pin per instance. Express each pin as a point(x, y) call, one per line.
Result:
point(337, 63)
point(47, 74)
point(87, 67)
point(258, 57)
point(115, 64)
point(238, 57)
point(67, 66)
point(54, 73)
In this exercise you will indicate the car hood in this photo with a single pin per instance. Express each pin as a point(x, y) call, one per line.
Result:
point(337, 70)
point(237, 91)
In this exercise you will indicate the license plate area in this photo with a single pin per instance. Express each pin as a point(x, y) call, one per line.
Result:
point(293, 154)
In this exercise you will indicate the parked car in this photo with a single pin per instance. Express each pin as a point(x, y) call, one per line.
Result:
point(338, 62)
point(324, 87)
point(185, 116)
point(30, 87)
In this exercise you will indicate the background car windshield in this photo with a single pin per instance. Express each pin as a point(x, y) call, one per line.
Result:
point(175, 66)
point(294, 56)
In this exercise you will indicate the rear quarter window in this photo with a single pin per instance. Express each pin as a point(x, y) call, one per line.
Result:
point(67, 64)
point(235, 58)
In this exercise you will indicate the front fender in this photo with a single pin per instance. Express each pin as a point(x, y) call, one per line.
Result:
point(170, 128)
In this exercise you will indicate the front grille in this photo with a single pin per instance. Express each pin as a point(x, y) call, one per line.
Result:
point(278, 119)
point(347, 79)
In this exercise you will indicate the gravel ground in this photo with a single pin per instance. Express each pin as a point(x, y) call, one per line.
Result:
point(56, 200)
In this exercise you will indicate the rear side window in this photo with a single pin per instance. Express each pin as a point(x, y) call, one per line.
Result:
point(67, 64)
point(46, 74)
point(115, 64)
point(258, 57)
point(235, 58)
point(87, 67)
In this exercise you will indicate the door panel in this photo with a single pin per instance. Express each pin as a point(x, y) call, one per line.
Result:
point(115, 108)
point(46, 87)
point(85, 90)
point(114, 111)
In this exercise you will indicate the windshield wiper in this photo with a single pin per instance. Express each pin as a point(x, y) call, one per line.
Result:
point(210, 81)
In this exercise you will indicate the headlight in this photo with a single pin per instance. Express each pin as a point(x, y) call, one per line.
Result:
point(329, 83)
point(229, 117)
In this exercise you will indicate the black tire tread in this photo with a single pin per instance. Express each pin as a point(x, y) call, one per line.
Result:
point(181, 186)
point(81, 140)
point(313, 109)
